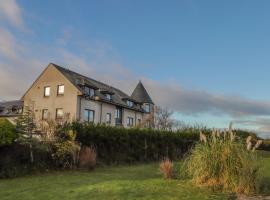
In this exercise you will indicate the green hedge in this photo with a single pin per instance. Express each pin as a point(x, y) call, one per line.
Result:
point(7, 132)
point(120, 145)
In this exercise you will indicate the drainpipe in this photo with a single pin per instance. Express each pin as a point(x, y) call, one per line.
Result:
point(100, 119)
point(135, 118)
point(80, 108)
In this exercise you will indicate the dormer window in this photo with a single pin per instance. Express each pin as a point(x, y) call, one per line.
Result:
point(147, 107)
point(130, 103)
point(89, 91)
point(108, 96)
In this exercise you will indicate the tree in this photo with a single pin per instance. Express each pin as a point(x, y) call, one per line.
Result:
point(7, 132)
point(27, 129)
point(163, 118)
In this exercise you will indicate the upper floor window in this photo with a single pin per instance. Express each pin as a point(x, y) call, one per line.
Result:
point(59, 113)
point(108, 118)
point(130, 121)
point(47, 91)
point(108, 96)
point(89, 91)
point(89, 115)
point(60, 89)
point(147, 107)
point(130, 103)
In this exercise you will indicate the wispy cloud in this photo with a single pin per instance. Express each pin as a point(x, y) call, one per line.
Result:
point(98, 59)
point(11, 12)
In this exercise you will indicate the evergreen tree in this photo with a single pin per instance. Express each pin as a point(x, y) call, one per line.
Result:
point(27, 129)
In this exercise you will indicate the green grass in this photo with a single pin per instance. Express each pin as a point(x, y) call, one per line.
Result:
point(119, 182)
point(126, 182)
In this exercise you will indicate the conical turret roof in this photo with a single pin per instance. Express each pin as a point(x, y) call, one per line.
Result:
point(141, 95)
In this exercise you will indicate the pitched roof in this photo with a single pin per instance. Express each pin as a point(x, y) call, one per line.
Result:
point(10, 108)
point(140, 94)
point(78, 80)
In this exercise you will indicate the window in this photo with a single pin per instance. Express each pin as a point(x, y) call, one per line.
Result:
point(108, 118)
point(89, 91)
point(118, 116)
point(45, 114)
point(130, 103)
point(130, 121)
point(60, 90)
point(59, 113)
point(139, 121)
point(147, 125)
point(89, 115)
point(147, 107)
point(47, 91)
point(108, 96)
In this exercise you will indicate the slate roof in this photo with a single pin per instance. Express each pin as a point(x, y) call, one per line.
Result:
point(10, 108)
point(140, 94)
point(118, 97)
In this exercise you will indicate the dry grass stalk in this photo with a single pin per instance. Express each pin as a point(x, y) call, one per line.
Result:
point(203, 137)
point(87, 158)
point(257, 145)
point(249, 138)
point(223, 163)
point(166, 167)
point(249, 146)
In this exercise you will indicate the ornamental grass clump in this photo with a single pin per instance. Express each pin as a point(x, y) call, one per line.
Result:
point(166, 168)
point(221, 161)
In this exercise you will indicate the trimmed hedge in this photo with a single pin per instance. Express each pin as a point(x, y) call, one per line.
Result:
point(15, 160)
point(120, 145)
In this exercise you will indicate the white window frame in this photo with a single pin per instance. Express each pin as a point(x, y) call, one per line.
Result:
point(89, 91)
point(147, 108)
point(45, 111)
point(108, 96)
point(89, 115)
point(130, 103)
point(57, 116)
point(60, 90)
point(130, 121)
point(109, 118)
point(47, 91)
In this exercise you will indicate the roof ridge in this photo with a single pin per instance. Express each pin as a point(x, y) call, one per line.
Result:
point(99, 82)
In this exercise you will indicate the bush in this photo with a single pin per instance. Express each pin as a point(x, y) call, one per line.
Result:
point(65, 149)
point(166, 168)
point(221, 162)
point(120, 145)
point(7, 132)
point(15, 160)
point(87, 158)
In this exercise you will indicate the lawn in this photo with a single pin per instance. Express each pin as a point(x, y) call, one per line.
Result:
point(119, 182)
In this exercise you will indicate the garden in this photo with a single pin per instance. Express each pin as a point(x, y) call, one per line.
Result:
point(88, 161)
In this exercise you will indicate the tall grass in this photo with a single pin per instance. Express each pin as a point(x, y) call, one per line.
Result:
point(221, 161)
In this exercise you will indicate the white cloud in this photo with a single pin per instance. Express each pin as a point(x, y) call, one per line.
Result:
point(21, 62)
point(11, 11)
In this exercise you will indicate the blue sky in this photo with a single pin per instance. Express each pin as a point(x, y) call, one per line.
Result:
point(211, 57)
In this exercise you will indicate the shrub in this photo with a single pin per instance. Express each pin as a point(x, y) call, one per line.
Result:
point(120, 145)
point(65, 154)
point(166, 168)
point(7, 132)
point(87, 158)
point(221, 162)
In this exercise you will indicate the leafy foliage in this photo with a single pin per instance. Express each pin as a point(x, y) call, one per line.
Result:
point(120, 145)
point(7, 132)
point(27, 130)
point(65, 149)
